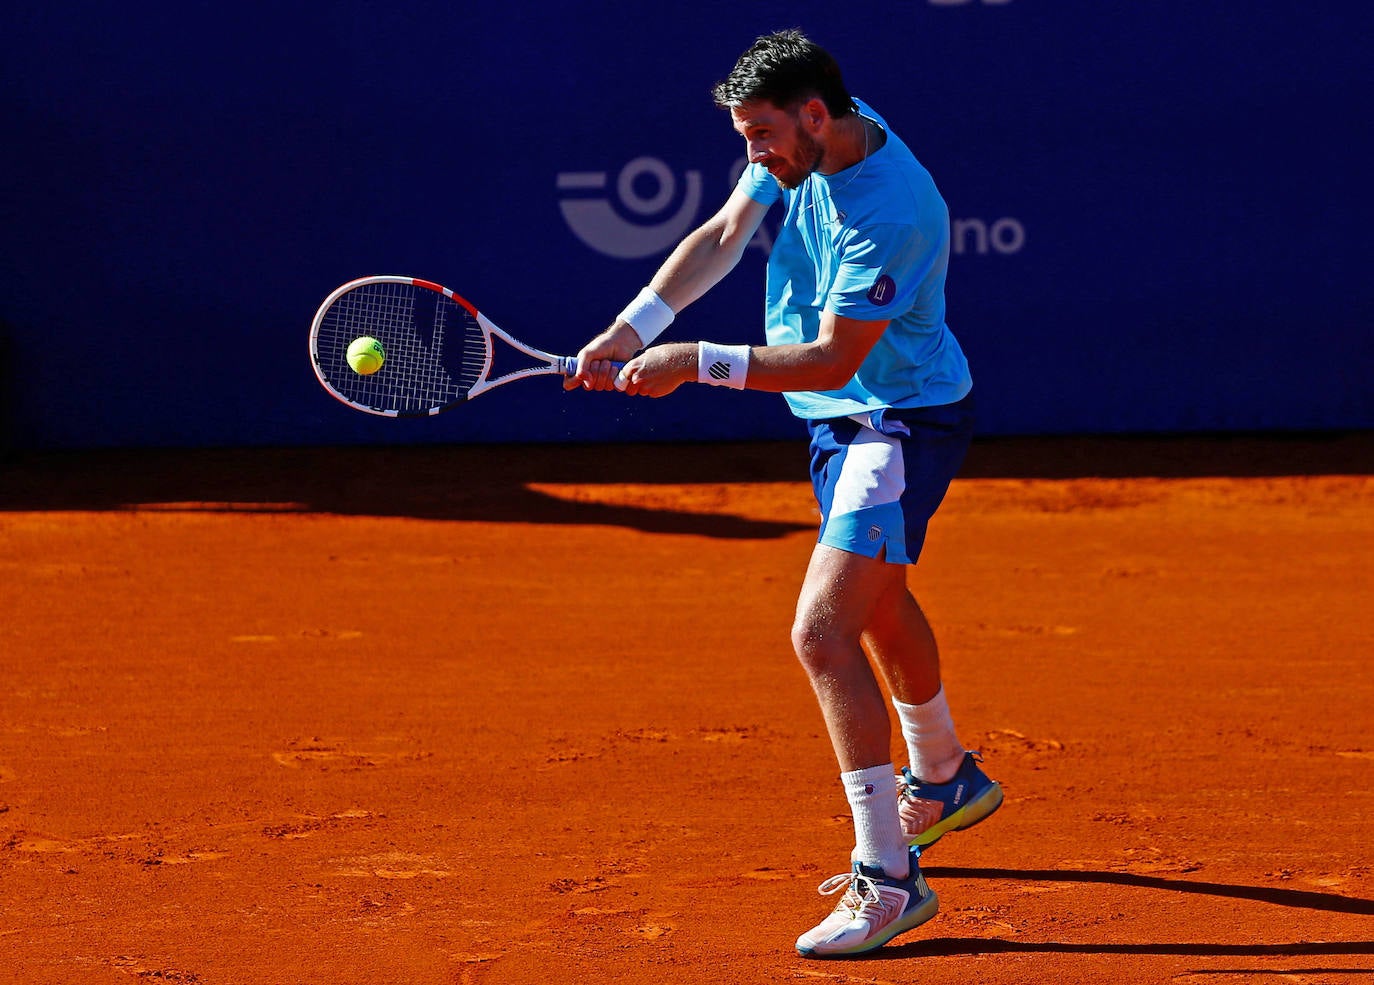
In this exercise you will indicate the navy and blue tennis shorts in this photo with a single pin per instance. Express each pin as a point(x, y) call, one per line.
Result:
point(878, 483)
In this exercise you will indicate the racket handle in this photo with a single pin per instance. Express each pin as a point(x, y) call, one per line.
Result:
point(569, 366)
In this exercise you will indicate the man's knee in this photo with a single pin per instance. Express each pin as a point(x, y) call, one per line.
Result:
point(822, 644)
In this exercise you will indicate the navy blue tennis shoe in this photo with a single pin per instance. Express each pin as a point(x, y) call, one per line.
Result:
point(929, 811)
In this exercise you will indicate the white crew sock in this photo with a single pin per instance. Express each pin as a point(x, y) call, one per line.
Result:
point(931, 742)
point(878, 838)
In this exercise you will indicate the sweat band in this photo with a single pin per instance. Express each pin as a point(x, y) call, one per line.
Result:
point(722, 365)
point(648, 314)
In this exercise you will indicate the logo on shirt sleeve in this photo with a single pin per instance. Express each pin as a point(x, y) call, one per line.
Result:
point(884, 289)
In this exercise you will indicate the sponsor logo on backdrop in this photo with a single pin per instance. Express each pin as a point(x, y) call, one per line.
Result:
point(980, 237)
point(645, 209)
point(642, 215)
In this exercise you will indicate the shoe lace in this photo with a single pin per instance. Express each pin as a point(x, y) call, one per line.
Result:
point(862, 890)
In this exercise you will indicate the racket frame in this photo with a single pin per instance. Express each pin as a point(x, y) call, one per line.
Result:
point(550, 364)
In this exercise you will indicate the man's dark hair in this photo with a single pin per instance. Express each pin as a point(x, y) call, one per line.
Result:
point(785, 68)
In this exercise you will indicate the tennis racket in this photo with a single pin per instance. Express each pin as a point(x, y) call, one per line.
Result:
point(439, 349)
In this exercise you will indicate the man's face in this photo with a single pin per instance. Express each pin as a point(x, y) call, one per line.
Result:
point(778, 140)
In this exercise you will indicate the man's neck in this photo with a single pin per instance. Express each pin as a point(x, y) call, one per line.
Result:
point(853, 137)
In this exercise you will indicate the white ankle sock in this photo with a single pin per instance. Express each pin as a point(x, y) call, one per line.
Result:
point(878, 838)
point(931, 742)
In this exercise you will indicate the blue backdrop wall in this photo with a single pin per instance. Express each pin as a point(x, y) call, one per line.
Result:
point(1160, 209)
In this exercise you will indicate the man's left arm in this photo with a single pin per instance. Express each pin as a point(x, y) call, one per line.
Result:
point(874, 276)
point(828, 363)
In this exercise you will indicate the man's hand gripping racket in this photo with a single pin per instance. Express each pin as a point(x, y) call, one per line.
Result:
point(439, 349)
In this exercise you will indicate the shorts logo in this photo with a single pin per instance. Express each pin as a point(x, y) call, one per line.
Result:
point(875, 533)
point(884, 289)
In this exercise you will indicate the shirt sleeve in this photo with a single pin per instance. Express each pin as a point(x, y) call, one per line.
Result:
point(758, 184)
point(880, 272)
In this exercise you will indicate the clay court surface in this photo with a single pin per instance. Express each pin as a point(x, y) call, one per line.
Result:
point(530, 715)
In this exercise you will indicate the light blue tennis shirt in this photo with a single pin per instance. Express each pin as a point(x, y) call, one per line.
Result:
point(871, 243)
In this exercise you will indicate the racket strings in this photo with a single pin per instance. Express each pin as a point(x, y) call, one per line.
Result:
point(435, 350)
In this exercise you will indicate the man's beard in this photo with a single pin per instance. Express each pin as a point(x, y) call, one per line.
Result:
point(808, 150)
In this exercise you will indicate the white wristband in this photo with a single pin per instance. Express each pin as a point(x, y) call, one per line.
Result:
point(648, 314)
point(722, 365)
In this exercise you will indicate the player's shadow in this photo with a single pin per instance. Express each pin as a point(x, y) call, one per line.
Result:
point(1276, 896)
point(530, 483)
point(522, 484)
point(969, 946)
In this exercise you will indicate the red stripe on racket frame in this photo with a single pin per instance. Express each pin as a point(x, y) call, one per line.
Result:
point(430, 285)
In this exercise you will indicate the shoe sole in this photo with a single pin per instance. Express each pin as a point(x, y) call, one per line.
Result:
point(977, 809)
point(926, 909)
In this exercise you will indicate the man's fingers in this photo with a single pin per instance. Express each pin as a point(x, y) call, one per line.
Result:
point(597, 374)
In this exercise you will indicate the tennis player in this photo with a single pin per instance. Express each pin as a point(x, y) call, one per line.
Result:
point(858, 345)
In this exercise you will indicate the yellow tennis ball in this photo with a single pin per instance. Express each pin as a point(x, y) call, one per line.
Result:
point(366, 355)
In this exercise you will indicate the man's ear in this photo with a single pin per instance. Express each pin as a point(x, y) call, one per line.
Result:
point(814, 113)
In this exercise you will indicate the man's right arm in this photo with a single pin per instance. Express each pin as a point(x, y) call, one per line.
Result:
point(698, 263)
point(709, 252)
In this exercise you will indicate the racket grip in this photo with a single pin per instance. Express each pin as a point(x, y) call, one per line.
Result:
point(569, 365)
